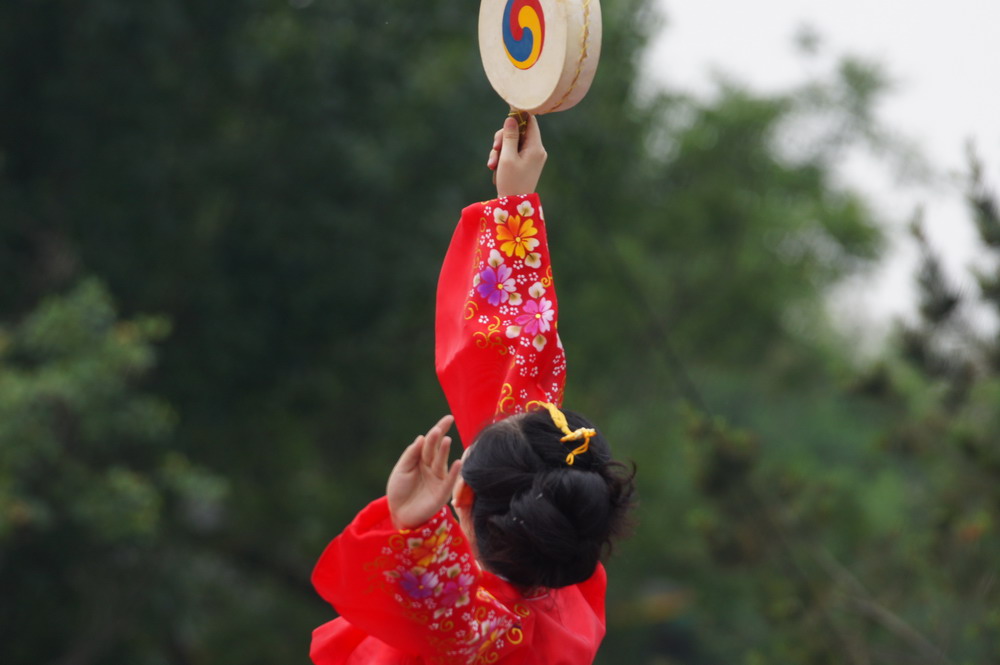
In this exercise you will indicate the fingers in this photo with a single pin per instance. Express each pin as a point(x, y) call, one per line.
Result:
point(449, 478)
point(456, 468)
point(509, 145)
point(511, 137)
point(436, 446)
point(411, 456)
point(430, 445)
point(440, 468)
point(532, 136)
point(494, 158)
point(441, 426)
point(519, 166)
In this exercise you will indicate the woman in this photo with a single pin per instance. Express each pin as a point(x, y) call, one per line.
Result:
point(517, 577)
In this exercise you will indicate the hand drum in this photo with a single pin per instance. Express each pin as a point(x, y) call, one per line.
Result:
point(540, 55)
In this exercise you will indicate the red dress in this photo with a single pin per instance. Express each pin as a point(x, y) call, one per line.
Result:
point(419, 596)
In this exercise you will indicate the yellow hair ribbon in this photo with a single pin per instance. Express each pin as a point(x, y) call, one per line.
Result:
point(585, 433)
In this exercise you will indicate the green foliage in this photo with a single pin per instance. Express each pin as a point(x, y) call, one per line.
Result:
point(65, 389)
point(90, 495)
point(859, 526)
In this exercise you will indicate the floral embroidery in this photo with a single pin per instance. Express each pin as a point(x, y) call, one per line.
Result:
point(429, 550)
point(516, 237)
point(537, 317)
point(419, 585)
point(496, 285)
point(513, 288)
point(436, 577)
point(456, 592)
point(488, 634)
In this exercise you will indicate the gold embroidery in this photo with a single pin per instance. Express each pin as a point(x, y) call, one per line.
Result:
point(376, 580)
point(547, 280)
point(491, 338)
point(471, 307)
point(421, 618)
point(506, 399)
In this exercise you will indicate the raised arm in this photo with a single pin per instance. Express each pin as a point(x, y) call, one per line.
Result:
point(497, 349)
point(404, 573)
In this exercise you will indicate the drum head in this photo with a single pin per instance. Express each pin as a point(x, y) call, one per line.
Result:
point(540, 55)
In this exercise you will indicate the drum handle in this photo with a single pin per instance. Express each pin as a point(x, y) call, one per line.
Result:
point(522, 123)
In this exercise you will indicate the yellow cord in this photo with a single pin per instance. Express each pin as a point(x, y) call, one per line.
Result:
point(585, 433)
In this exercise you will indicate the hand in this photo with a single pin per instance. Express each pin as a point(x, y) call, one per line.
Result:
point(517, 170)
point(421, 482)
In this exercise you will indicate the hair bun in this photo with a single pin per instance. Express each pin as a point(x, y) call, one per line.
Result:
point(538, 521)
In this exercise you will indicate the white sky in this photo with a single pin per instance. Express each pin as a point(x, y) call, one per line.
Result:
point(944, 59)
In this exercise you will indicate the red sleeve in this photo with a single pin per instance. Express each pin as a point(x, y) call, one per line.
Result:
point(418, 590)
point(497, 348)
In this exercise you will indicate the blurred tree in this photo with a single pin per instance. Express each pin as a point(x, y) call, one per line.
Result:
point(725, 279)
point(943, 386)
point(91, 500)
point(877, 546)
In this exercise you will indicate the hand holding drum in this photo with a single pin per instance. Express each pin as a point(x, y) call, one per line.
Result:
point(540, 55)
point(517, 158)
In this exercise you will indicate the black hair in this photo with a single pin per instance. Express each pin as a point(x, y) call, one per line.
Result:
point(540, 522)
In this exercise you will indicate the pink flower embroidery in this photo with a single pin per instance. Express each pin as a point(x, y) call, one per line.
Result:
point(496, 285)
point(537, 317)
point(456, 592)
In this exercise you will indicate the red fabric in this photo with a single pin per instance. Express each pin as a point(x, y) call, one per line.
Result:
point(418, 596)
point(497, 344)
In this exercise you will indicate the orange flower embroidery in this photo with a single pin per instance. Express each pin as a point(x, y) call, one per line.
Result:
point(516, 236)
point(432, 549)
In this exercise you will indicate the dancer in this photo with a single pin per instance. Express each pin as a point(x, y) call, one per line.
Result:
point(517, 578)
